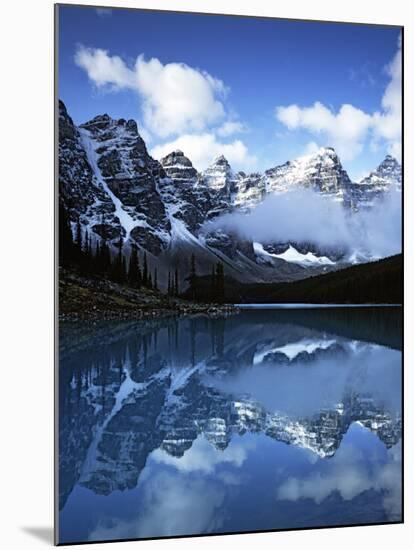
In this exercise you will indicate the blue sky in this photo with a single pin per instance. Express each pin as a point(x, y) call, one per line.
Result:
point(262, 91)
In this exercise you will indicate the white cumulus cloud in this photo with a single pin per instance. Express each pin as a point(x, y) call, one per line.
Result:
point(230, 127)
point(310, 148)
point(179, 103)
point(345, 130)
point(202, 148)
point(104, 70)
point(349, 128)
point(175, 98)
point(387, 123)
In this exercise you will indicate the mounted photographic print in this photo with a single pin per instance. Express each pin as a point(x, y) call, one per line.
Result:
point(230, 283)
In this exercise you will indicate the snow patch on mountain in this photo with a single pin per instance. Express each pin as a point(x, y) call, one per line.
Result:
point(90, 145)
point(293, 349)
point(294, 256)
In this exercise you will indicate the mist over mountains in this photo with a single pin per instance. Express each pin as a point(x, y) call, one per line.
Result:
point(298, 219)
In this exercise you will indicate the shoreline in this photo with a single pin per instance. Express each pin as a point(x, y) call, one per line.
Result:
point(83, 298)
point(212, 310)
point(309, 305)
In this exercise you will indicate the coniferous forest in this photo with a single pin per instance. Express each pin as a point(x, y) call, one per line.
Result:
point(92, 274)
point(379, 282)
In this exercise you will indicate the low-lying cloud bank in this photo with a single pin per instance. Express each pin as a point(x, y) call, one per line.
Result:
point(306, 216)
point(305, 388)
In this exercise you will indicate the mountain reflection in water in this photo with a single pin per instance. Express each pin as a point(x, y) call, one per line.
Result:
point(269, 419)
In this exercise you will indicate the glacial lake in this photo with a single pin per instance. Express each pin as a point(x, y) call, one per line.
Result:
point(266, 419)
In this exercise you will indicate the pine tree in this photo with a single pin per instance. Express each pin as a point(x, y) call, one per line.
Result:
point(123, 270)
point(120, 256)
point(105, 254)
point(118, 264)
point(213, 289)
point(134, 273)
point(106, 262)
point(97, 260)
point(176, 282)
point(220, 283)
point(155, 279)
point(65, 237)
point(193, 278)
point(79, 234)
point(118, 271)
point(145, 280)
point(87, 253)
point(78, 242)
point(139, 271)
point(169, 284)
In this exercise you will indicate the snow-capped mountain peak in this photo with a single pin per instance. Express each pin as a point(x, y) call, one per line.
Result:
point(388, 173)
point(110, 183)
point(178, 167)
point(385, 178)
point(219, 176)
point(221, 160)
point(321, 171)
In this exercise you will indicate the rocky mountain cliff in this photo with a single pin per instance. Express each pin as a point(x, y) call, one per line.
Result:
point(110, 183)
point(322, 172)
point(386, 177)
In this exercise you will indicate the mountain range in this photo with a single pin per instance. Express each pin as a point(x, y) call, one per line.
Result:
point(109, 182)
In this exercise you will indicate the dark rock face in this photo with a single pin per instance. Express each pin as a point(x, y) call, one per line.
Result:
point(147, 239)
point(229, 244)
point(249, 190)
point(385, 178)
point(77, 186)
point(187, 197)
point(105, 152)
point(133, 177)
point(178, 167)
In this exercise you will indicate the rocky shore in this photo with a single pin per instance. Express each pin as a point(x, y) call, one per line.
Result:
point(86, 298)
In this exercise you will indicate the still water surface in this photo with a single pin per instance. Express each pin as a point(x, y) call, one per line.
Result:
point(269, 419)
